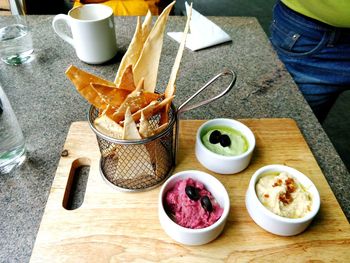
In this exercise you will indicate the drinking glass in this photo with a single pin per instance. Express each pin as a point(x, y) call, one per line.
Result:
point(16, 45)
point(12, 143)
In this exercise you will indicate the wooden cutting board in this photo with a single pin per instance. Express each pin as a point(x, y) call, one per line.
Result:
point(114, 226)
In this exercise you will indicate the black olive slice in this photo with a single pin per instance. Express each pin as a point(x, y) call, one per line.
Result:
point(214, 137)
point(206, 203)
point(192, 192)
point(225, 140)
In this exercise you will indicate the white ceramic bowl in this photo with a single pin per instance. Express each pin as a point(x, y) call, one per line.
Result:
point(189, 236)
point(274, 223)
point(219, 163)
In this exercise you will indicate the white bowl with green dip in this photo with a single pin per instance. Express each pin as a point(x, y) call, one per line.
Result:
point(224, 146)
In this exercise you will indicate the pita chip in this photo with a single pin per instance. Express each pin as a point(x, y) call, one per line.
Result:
point(111, 95)
point(146, 26)
point(135, 101)
point(127, 79)
point(132, 54)
point(171, 87)
point(134, 50)
point(152, 108)
point(108, 127)
point(161, 128)
point(82, 80)
point(145, 128)
point(148, 62)
point(130, 131)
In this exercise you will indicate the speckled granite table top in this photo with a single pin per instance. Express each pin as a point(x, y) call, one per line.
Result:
point(46, 104)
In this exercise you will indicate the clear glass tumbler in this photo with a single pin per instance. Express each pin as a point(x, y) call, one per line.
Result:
point(16, 45)
point(12, 143)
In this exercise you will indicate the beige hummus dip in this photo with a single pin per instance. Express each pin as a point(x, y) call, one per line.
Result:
point(283, 195)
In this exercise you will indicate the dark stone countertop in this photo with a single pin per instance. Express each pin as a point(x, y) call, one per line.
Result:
point(46, 103)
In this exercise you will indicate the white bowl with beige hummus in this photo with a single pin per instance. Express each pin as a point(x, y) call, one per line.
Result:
point(282, 200)
point(224, 146)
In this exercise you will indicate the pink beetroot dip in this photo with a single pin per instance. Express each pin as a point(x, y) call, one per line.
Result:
point(189, 213)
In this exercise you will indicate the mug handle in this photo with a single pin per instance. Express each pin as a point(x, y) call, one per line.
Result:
point(59, 32)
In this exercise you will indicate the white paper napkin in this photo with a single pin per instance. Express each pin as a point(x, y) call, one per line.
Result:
point(203, 32)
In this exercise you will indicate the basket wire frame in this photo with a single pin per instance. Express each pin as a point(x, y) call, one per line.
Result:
point(136, 165)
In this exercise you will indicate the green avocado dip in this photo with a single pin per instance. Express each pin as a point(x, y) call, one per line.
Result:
point(218, 142)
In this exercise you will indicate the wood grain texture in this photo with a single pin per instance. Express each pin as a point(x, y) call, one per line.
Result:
point(5, 13)
point(4, 5)
point(113, 226)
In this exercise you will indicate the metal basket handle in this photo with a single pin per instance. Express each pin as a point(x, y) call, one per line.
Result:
point(185, 107)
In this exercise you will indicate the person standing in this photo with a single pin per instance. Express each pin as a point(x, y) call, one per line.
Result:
point(312, 38)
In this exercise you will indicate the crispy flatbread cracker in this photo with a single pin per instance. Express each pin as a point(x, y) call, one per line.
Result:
point(152, 108)
point(130, 131)
point(109, 110)
point(161, 128)
point(82, 80)
point(111, 95)
point(134, 50)
point(108, 127)
point(127, 79)
point(146, 26)
point(109, 152)
point(127, 164)
point(140, 85)
point(148, 62)
point(171, 87)
point(160, 158)
point(135, 47)
point(145, 128)
point(132, 54)
point(135, 101)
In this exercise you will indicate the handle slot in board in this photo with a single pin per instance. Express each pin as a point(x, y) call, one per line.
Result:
point(76, 184)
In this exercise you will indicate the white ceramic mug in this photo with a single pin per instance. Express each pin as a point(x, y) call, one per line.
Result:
point(93, 32)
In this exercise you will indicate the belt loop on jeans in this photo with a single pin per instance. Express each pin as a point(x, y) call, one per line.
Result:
point(332, 38)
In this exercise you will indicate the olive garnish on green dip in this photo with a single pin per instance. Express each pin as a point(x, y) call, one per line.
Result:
point(216, 137)
point(192, 192)
point(206, 204)
point(225, 140)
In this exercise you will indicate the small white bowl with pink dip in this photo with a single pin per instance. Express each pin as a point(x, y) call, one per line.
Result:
point(193, 207)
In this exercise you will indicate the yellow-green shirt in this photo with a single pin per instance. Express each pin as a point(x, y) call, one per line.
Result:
point(332, 12)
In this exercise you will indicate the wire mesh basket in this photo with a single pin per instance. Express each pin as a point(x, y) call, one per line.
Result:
point(135, 165)
point(139, 165)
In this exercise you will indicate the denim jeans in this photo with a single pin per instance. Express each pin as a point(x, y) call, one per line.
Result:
point(315, 54)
